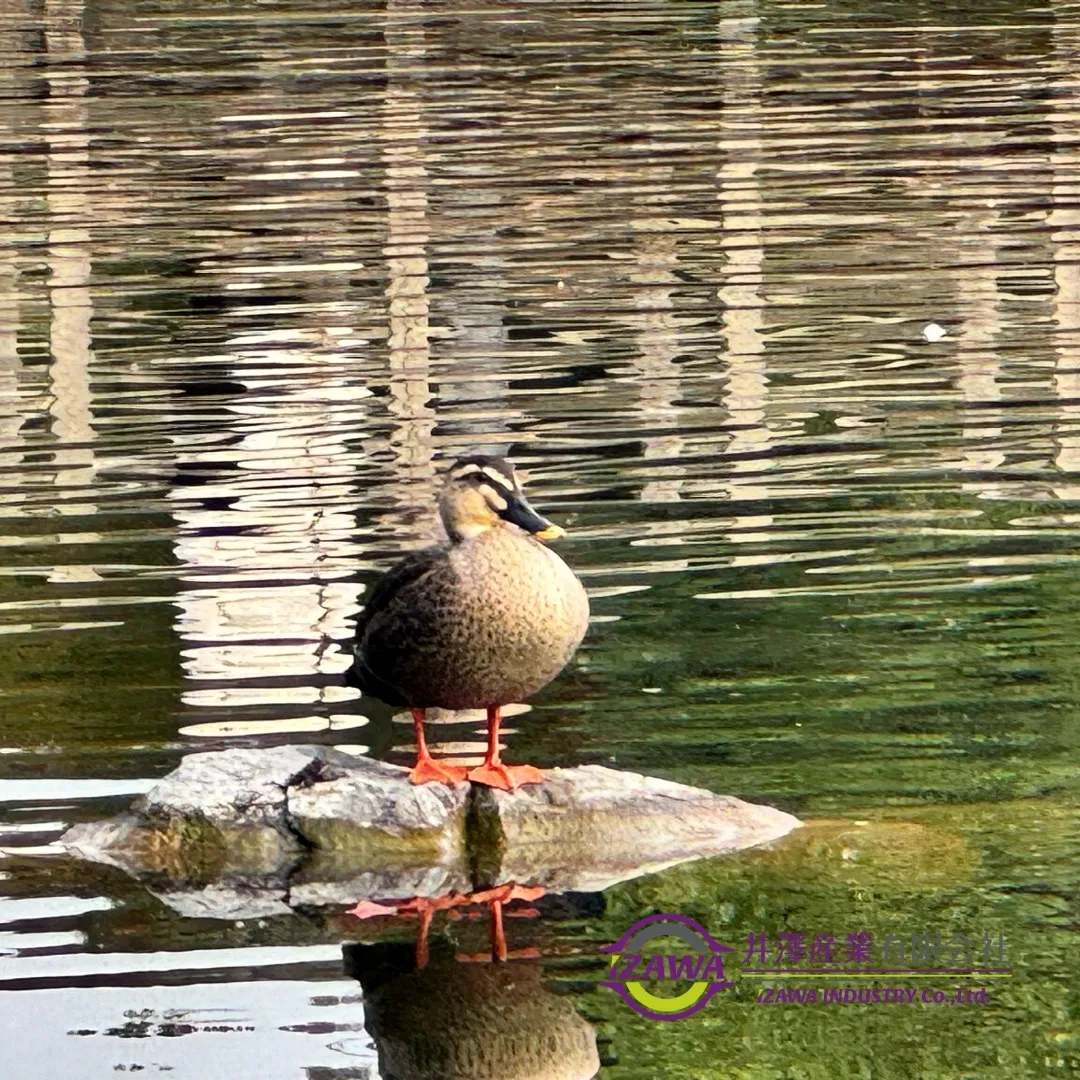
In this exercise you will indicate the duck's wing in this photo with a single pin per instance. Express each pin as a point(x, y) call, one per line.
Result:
point(382, 595)
point(399, 576)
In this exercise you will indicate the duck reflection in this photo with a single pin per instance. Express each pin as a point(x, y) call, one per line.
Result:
point(435, 1015)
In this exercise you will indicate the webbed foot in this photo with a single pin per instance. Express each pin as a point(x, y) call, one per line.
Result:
point(505, 777)
point(427, 770)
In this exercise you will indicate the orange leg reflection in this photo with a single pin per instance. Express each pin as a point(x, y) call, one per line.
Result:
point(426, 907)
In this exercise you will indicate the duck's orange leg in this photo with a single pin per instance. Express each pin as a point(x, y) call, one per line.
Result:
point(493, 773)
point(427, 769)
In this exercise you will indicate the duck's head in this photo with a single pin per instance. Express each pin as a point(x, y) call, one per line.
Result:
point(483, 493)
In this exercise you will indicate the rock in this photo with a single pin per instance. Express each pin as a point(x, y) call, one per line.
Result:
point(590, 827)
point(369, 808)
point(216, 813)
point(235, 788)
point(120, 841)
point(276, 828)
point(186, 849)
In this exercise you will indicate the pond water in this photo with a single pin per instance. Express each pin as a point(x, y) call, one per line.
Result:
point(779, 306)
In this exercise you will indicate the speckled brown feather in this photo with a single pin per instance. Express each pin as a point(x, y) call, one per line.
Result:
point(487, 621)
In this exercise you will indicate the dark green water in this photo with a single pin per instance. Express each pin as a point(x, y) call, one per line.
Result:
point(263, 268)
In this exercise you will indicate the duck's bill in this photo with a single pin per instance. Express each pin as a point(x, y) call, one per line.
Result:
point(520, 513)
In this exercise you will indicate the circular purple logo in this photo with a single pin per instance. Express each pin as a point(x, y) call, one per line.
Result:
point(699, 961)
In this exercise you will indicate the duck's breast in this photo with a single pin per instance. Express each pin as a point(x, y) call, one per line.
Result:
point(522, 613)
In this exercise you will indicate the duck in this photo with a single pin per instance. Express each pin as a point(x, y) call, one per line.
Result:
point(482, 621)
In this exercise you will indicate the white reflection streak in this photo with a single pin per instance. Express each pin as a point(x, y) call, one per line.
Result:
point(68, 158)
point(980, 363)
point(403, 132)
point(266, 591)
point(17, 58)
point(1064, 222)
point(474, 310)
point(658, 344)
point(740, 195)
point(18, 46)
point(288, 521)
point(11, 418)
